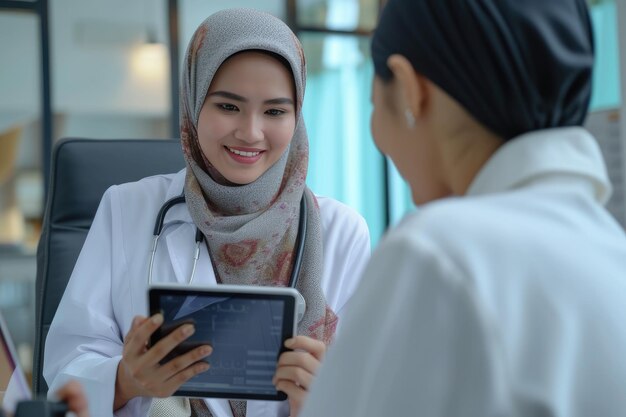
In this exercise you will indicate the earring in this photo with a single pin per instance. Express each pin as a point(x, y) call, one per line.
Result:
point(410, 119)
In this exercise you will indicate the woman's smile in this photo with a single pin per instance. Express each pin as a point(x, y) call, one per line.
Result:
point(244, 155)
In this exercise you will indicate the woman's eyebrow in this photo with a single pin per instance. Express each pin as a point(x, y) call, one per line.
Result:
point(237, 97)
point(283, 100)
point(229, 95)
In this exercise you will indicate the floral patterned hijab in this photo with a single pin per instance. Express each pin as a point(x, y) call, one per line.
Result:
point(251, 229)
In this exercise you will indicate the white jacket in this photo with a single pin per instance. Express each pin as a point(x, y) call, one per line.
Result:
point(108, 286)
point(510, 301)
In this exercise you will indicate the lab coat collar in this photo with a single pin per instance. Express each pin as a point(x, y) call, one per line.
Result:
point(178, 182)
point(570, 151)
point(180, 212)
point(180, 240)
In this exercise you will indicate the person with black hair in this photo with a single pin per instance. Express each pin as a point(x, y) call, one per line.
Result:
point(503, 295)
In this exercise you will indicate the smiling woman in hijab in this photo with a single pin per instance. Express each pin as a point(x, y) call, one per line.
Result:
point(504, 293)
point(246, 149)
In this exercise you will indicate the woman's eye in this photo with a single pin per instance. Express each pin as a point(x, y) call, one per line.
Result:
point(227, 107)
point(275, 112)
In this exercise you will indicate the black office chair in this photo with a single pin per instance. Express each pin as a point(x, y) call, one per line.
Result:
point(82, 170)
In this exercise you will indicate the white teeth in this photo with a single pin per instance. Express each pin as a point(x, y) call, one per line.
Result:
point(242, 153)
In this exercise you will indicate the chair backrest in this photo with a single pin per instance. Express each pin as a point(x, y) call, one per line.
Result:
point(81, 171)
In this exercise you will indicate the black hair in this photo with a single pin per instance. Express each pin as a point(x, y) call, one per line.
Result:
point(515, 65)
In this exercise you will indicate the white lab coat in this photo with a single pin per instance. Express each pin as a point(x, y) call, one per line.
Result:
point(108, 286)
point(510, 301)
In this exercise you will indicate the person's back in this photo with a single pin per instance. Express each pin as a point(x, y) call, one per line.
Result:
point(545, 262)
point(508, 301)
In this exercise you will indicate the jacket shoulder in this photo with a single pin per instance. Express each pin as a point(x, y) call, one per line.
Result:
point(153, 188)
point(336, 215)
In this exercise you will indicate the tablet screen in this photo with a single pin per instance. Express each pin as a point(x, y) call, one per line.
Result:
point(246, 331)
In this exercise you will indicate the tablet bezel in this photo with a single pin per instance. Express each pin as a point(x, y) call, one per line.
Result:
point(288, 295)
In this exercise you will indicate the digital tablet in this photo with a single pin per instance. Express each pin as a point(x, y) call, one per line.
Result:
point(246, 326)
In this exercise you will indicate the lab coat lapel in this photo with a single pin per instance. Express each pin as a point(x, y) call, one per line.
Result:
point(181, 246)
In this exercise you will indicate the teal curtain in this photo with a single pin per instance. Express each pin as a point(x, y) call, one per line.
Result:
point(606, 80)
point(344, 162)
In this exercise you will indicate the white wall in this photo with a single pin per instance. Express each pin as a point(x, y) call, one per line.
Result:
point(19, 68)
point(93, 43)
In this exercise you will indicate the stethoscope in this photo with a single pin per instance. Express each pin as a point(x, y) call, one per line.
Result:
point(199, 238)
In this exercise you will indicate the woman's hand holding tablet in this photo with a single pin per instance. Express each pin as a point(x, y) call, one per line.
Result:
point(140, 372)
point(246, 327)
point(297, 369)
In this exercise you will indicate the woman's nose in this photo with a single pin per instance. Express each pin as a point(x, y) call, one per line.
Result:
point(250, 129)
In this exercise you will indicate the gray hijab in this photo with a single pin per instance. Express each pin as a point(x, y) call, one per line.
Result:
point(251, 229)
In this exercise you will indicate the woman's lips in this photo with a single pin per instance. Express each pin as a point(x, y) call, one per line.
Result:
point(244, 155)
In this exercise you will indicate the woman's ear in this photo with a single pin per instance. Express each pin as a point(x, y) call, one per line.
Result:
point(412, 86)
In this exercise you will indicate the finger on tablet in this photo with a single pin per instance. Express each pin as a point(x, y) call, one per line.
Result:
point(314, 347)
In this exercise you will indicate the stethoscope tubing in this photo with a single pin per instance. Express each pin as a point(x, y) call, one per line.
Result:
point(300, 240)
